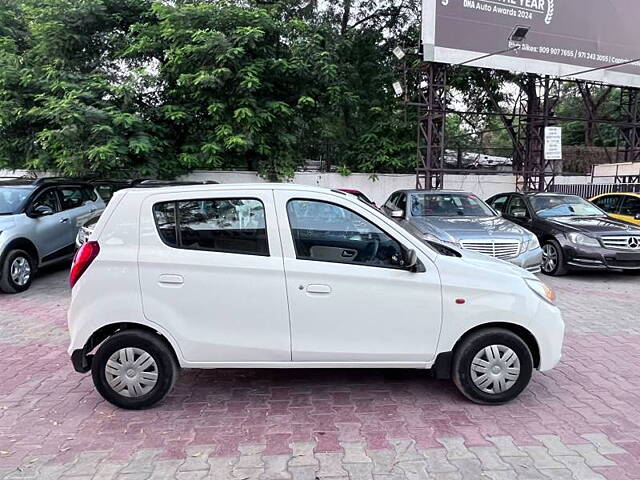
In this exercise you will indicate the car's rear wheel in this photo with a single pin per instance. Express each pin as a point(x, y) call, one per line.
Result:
point(17, 272)
point(553, 262)
point(492, 366)
point(134, 369)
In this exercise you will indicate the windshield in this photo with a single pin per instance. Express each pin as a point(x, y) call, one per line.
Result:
point(12, 199)
point(449, 205)
point(564, 206)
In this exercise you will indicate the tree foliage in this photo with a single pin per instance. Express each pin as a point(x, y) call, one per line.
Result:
point(124, 87)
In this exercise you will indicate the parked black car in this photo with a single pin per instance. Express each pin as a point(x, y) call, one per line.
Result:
point(573, 232)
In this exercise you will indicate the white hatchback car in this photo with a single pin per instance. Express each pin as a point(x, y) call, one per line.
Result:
point(286, 276)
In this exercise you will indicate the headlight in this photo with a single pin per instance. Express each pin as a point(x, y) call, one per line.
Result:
point(534, 243)
point(541, 290)
point(580, 239)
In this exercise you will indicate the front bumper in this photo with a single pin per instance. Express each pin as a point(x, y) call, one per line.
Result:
point(548, 330)
point(530, 260)
point(600, 258)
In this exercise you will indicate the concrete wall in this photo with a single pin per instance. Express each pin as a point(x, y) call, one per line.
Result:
point(377, 187)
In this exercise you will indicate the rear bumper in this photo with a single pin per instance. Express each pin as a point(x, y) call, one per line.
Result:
point(81, 361)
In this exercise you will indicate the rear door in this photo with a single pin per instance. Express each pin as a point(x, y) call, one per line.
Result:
point(76, 208)
point(211, 273)
point(349, 300)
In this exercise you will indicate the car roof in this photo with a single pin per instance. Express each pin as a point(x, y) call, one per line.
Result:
point(628, 194)
point(231, 186)
point(39, 182)
point(433, 192)
point(537, 194)
point(16, 182)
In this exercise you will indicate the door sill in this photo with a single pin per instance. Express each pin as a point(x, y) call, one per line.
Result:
point(206, 365)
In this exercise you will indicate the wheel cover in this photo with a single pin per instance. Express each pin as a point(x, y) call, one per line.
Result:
point(131, 372)
point(20, 271)
point(495, 369)
point(549, 258)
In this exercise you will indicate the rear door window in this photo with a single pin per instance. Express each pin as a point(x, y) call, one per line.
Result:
point(230, 225)
point(71, 197)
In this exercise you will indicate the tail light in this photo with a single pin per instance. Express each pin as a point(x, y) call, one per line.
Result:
point(87, 254)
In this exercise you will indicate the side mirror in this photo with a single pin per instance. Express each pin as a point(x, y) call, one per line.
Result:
point(41, 211)
point(410, 259)
point(519, 214)
point(498, 212)
point(397, 214)
point(637, 217)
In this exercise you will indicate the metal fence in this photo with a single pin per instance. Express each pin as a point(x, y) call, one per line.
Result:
point(592, 189)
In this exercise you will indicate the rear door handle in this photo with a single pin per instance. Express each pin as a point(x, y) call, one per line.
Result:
point(323, 289)
point(168, 279)
point(64, 220)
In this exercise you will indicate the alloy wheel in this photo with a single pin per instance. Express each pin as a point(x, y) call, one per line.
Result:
point(20, 271)
point(495, 369)
point(549, 258)
point(131, 372)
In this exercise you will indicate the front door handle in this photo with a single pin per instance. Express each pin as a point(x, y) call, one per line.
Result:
point(323, 289)
point(171, 279)
point(64, 220)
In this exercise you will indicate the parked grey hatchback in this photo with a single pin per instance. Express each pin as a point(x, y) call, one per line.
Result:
point(461, 219)
point(39, 220)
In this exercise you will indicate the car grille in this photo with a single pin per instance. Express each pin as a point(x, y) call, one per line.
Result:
point(622, 242)
point(495, 248)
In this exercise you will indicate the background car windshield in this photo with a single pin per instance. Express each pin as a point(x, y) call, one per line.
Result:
point(564, 206)
point(12, 199)
point(449, 205)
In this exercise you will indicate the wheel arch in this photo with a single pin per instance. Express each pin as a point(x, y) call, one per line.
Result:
point(522, 332)
point(82, 358)
point(22, 243)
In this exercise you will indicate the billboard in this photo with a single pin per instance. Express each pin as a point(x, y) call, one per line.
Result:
point(565, 36)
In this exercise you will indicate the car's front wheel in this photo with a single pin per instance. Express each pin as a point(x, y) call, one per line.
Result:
point(134, 369)
point(553, 262)
point(16, 273)
point(492, 366)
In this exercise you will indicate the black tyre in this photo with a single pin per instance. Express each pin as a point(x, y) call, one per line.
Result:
point(134, 369)
point(492, 366)
point(16, 272)
point(553, 262)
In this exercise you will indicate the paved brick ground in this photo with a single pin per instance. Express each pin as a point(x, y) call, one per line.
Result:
point(580, 421)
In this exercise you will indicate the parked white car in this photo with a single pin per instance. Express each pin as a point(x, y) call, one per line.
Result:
point(286, 276)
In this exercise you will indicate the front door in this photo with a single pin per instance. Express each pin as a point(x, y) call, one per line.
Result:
point(51, 231)
point(349, 299)
point(211, 274)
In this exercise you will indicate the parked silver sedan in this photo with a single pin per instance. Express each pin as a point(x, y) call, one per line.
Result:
point(463, 220)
